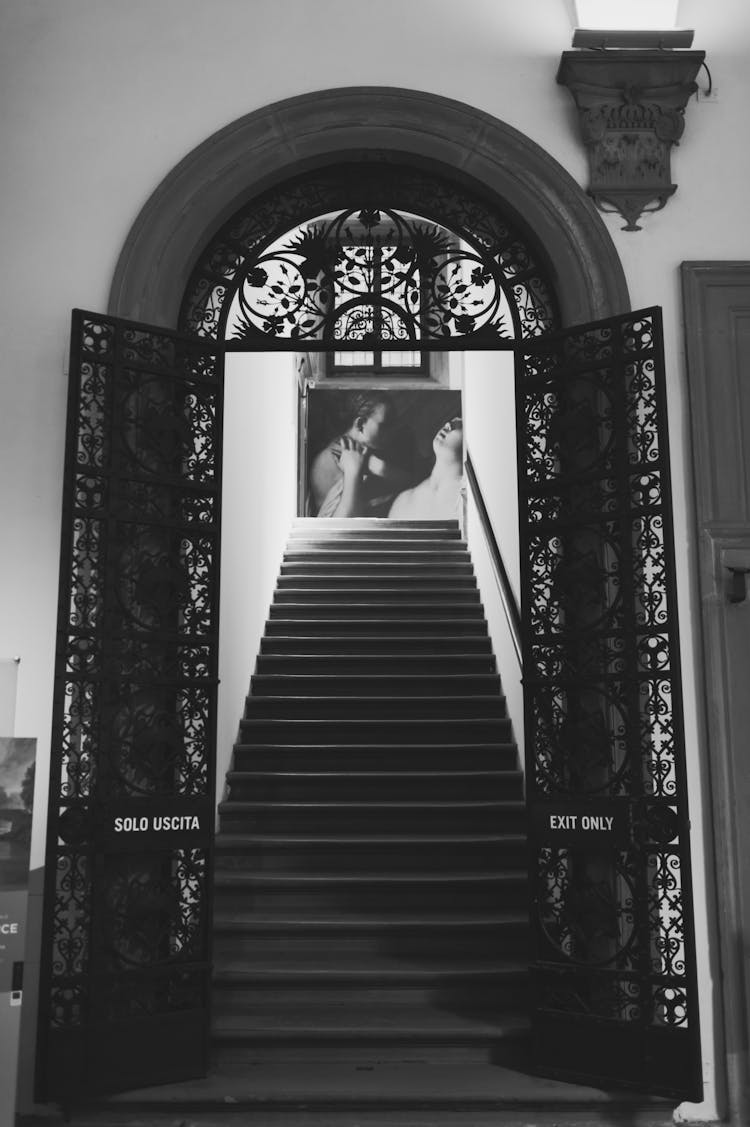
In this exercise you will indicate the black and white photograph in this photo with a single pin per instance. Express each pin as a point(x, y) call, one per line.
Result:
point(375, 571)
point(381, 453)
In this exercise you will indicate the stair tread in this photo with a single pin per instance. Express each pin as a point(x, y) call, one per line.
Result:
point(348, 721)
point(480, 698)
point(396, 774)
point(376, 678)
point(384, 804)
point(395, 971)
point(374, 522)
point(446, 620)
point(460, 747)
point(264, 922)
point(364, 640)
point(380, 658)
point(232, 840)
point(235, 877)
point(402, 1021)
point(371, 588)
point(435, 548)
point(368, 604)
point(347, 639)
point(387, 581)
point(435, 543)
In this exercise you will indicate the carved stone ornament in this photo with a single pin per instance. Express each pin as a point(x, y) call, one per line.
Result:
point(631, 107)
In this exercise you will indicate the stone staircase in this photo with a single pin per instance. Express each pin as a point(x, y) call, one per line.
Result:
point(370, 903)
point(370, 885)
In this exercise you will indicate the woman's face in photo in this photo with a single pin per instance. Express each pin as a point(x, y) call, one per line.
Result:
point(450, 437)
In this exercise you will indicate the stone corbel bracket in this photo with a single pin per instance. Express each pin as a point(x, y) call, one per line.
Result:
point(631, 109)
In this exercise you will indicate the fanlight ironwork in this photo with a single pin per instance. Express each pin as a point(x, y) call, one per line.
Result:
point(374, 277)
point(416, 259)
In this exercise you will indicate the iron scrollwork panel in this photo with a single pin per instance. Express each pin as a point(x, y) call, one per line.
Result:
point(417, 259)
point(131, 794)
point(614, 965)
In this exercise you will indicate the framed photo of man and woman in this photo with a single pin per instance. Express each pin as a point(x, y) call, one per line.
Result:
point(382, 453)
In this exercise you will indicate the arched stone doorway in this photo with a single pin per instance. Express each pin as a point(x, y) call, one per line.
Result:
point(596, 403)
point(281, 141)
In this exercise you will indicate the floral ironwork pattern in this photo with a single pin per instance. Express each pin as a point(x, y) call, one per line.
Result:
point(135, 702)
point(417, 259)
point(602, 690)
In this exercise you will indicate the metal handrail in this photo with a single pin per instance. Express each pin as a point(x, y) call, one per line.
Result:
point(507, 597)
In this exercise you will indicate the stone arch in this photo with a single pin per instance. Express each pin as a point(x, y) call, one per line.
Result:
point(281, 140)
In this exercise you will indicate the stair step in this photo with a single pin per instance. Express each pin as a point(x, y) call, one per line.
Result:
point(363, 900)
point(376, 756)
point(335, 556)
point(379, 684)
point(311, 937)
point(366, 607)
point(417, 595)
point(387, 626)
point(309, 785)
point(354, 970)
point(368, 665)
point(334, 579)
point(388, 926)
point(336, 644)
point(370, 817)
point(249, 992)
point(355, 537)
point(383, 524)
point(368, 546)
point(421, 567)
point(347, 730)
point(398, 777)
point(356, 709)
point(432, 946)
point(391, 852)
point(242, 880)
point(387, 842)
point(417, 1025)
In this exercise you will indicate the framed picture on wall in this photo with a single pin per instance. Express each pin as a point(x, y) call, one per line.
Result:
point(381, 453)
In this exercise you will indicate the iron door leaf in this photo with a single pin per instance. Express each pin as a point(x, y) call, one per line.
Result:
point(613, 975)
point(126, 960)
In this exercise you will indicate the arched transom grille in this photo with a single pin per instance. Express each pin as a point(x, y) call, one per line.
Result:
point(401, 258)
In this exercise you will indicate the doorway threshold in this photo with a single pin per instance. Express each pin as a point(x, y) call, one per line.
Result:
point(376, 1094)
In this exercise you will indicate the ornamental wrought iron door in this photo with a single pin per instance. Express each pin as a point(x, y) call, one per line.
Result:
point(126, 960)
point(613, 976)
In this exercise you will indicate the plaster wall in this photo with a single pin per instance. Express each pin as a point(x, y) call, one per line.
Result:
point(490, 432)
point(259, 498)
point(101, 99)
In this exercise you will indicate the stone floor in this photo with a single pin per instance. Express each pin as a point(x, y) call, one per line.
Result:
point(375, 1095)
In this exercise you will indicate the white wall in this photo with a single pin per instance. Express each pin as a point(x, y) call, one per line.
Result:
point(102, 98)
point(259, 503)
point(490, 432)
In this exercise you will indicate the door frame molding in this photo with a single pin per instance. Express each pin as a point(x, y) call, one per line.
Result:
point(716, 296)
point(281, 140)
